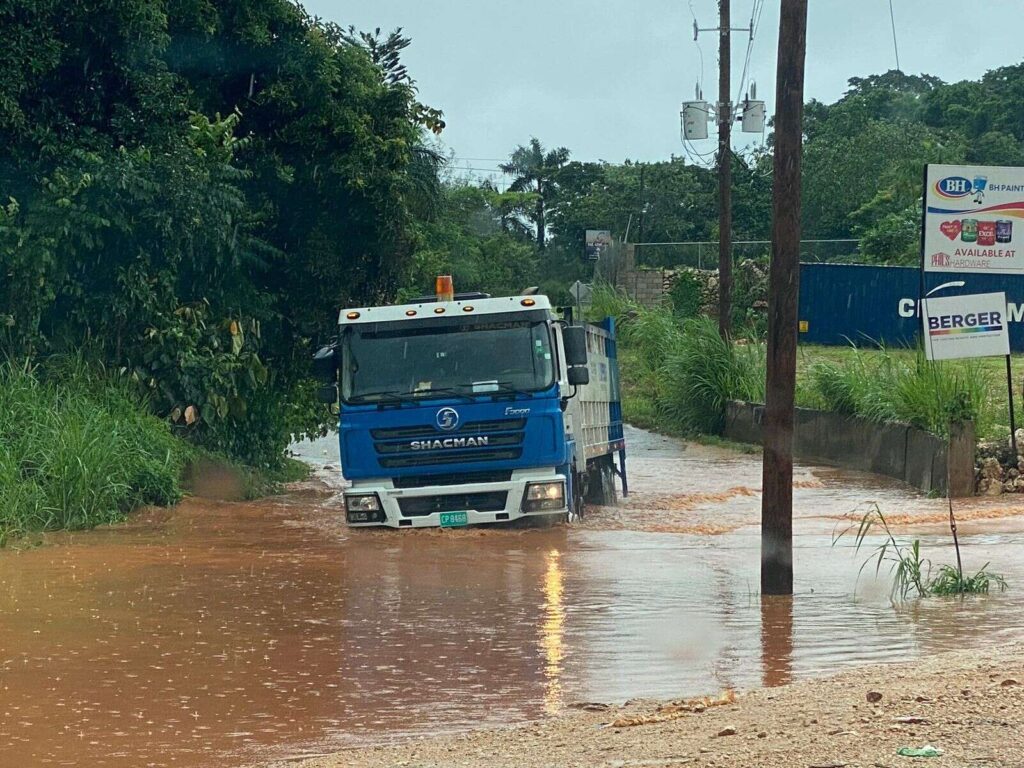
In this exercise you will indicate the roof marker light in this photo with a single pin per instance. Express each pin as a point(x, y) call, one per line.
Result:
point(410, 312)
point(445, 288)
point(528, 302)
point(468, 308)
point(352, 315)
point(439, 311)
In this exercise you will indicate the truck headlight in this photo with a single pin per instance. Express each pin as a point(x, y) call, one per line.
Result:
point(365, 503)
point(364, 508)
point(544, 496)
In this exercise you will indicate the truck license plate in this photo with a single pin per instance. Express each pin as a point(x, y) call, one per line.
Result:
point(454, 519)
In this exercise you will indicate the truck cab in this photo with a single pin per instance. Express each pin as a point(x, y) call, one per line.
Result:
point(459, 411)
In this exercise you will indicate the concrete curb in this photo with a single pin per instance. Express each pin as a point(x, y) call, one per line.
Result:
point(906, 453)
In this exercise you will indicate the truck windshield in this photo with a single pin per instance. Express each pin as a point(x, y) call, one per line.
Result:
point(409, 362)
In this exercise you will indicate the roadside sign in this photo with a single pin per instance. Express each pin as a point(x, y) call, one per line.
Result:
point(975, 325)
point(582, 293)
point(974, 219)
point(595, 243)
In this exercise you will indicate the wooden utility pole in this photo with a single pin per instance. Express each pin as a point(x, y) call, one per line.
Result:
point(783, 287)
point(724, 173)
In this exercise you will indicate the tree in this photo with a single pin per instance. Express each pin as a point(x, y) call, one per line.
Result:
point(472, 238)
point(849, 171)
point(192, 189)
point(535, 170)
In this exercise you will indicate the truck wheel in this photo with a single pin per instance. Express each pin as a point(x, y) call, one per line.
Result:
point(608, 486)
point(576, 502)
point(601, 486)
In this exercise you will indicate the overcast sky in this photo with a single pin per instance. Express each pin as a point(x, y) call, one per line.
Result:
point(605, 77)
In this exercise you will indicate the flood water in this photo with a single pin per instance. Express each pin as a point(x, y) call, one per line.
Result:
point(234, 634)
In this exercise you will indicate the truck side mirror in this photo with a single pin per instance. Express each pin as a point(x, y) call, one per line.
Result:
point(325, 364)
point(575, 339)
point(578, 376)
point(328, 394)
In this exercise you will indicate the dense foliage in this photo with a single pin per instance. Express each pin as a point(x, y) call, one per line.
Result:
point(191, 189)
point(864, 154)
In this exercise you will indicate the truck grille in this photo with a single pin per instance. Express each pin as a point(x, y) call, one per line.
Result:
point(497, 440)
point(493, 501)
point(452, 478)
point(429, 430)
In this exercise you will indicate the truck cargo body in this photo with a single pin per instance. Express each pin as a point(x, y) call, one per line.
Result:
point(461, 412)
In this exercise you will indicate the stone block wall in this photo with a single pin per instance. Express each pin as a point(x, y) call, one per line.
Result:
point(645, 285)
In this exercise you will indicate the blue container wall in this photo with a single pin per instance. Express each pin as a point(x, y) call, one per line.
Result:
point(844, 303)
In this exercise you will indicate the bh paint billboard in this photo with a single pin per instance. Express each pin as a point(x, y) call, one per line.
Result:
point(974, 219)
point(976, 325)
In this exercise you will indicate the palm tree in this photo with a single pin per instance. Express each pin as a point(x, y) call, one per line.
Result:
point(534, 171)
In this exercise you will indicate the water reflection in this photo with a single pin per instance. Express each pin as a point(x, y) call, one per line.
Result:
point(776, 639)
point(552, 633)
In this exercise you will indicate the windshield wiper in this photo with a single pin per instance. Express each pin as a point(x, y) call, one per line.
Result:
point(392, 397)
point(507, 388)
point(443, 391)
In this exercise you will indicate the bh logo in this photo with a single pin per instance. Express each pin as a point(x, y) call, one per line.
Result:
point(447, 419)
point(953, 187)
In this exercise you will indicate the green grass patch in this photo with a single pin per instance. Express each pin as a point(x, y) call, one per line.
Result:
point(892, 384)
point(79, 453)
point(882, 386)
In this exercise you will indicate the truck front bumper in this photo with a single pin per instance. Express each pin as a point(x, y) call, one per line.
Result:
point(423, 507)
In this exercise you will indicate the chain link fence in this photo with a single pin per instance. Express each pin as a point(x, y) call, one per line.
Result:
point(704, 254)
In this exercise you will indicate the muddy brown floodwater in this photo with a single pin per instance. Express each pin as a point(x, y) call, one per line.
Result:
point(232, 634)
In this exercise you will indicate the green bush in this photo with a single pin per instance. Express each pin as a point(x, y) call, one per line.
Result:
point(701, 372)
point(608, 301)
point(685, 295)
point(750, 301)
point(79, 452)
point(654, 334)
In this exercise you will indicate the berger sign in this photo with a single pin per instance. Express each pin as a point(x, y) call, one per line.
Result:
point(973, 219)
point(966, 326)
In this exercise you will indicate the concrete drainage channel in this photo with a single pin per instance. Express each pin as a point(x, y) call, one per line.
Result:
point(925, 461)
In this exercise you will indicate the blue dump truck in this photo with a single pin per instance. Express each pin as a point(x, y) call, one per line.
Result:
point(461, 409)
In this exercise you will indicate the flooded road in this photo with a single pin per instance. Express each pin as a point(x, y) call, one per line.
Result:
point(233, 634)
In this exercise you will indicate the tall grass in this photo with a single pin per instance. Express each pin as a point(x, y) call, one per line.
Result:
point(883, 387)
point(701, 372)
point(678, 374)
point(79, 451)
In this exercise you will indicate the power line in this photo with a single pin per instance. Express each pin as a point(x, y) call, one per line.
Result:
point(895, 47)
point(755, 22)
point(700, 51)
point(482, 170)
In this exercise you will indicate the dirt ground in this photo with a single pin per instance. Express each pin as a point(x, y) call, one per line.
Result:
point(969, 705)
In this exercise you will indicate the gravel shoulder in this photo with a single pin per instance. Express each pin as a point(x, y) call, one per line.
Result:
point(969, 705)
